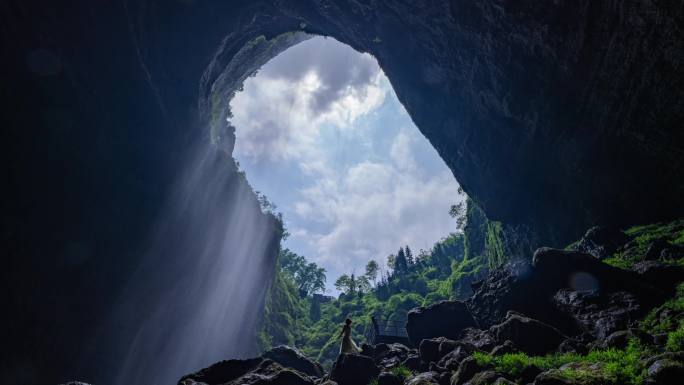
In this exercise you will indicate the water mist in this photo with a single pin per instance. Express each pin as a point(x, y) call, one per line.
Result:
point(198, 294)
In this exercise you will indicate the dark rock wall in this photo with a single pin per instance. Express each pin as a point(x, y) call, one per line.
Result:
point(552, 115)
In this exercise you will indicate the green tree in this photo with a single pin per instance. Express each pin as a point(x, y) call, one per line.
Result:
point(307, 276)
point(391, 259)
point(459, 211)
point(400, 264)
point(372, 268)
point(346, 284)
point(409, 255)
point(362, 284)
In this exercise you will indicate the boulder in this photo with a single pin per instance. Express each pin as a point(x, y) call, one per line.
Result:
point(597, 314)
point(466, 370)
point(672, 253)
point(620, 339)
point(433, 349)
point(484, 378)
point(520, 290)
point(453, 359)
point(601, 242)
point(413, 362)
point(662, 275)
point(222, 372)
point(427, 378)
point(506, 347)
point(529, 335)
point(529, 373)
point(556, 269)
point(443, 319)
point(472, 338)
point(655, 248)
point(353, 369)
point(283, 377)
point(267, 372)
point(577, 344)
point(665, 372)
point(292, 358)
point(389, 379)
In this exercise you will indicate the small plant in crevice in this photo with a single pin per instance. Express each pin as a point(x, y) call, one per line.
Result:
point(401, 371)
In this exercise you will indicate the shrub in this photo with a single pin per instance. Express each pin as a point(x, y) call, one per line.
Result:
point(401, 371)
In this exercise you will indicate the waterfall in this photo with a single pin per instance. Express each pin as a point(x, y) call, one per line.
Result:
point(198, 294)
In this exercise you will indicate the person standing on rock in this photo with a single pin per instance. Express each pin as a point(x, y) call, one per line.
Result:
point(348, 345)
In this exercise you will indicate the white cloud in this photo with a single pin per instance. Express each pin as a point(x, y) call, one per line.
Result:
point(401, 152)
point(280, 113)
point(349, 205)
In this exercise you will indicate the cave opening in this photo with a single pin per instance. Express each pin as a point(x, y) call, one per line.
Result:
point(325, 142)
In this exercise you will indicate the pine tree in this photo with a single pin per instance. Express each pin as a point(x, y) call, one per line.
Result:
point(400, 265)
point(409, 256)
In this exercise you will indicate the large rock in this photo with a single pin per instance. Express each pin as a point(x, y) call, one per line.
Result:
point(505, 290)
point(222, 372)
point(387, 356)
point(427, 378)
point(292, 358)
point(665, 372)
point(389, 379)
point(353, 369)
point(243, 373)
point(557, 269)
point(601, 242)
point(662, 275)
point(600, 315)
point(433, 349)
point(529, 335)
point(466, 370)
point(443, 319)
point(572, 291)
point(480, 339)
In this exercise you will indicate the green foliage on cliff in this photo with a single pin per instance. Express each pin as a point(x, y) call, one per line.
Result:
point(483, 238)
point(643, 236)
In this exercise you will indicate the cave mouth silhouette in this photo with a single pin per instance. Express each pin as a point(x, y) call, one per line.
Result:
point(336, 108)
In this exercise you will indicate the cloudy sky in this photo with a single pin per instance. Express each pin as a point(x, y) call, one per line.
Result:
point(322, 134)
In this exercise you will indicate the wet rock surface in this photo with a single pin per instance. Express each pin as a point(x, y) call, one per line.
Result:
point(528, 335)
point(443, 319)
point(256, 371)
point(352, 369)
point(289, 357)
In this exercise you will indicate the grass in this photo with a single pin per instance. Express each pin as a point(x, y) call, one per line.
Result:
point(617, 365)
point(401, 371)
point(674, 328)
point(642, 236)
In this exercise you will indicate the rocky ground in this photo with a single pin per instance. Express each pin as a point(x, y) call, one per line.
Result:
point(567, 318)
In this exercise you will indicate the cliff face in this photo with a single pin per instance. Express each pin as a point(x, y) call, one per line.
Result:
point(552, 115)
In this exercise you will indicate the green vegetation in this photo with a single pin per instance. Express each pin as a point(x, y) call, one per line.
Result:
point(667, 318)
point(297, 314)
point(619, 366)
point(483, 237)
point(642, 237)
point(401, 371)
